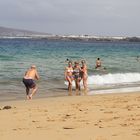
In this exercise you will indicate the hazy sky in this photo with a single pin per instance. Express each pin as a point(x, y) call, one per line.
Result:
point(94, 17)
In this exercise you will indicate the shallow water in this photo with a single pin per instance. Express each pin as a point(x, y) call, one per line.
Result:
point(16, 56)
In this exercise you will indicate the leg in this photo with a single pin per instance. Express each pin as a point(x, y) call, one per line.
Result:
point(34, 89)
point(85, 85)
point(69, 86)
point(77, 86)
point(27, 92)
point(79, 80)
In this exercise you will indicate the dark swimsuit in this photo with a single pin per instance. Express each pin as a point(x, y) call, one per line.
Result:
point(29, 83)
point(81, 73)
point(76, 73)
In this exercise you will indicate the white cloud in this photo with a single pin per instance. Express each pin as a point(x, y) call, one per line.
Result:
point(72, 16)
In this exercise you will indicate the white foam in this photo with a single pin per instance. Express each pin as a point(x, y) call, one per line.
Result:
point(118, 78)
point(119, 90)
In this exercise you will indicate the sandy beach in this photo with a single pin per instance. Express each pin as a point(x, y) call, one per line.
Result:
point(98, 117)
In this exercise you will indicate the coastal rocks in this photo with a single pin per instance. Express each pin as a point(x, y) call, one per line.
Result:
point(7, 107)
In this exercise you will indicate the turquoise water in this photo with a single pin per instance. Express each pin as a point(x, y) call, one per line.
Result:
point(16, 56)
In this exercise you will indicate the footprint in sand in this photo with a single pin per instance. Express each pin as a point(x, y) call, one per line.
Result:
point(100, 138)
point(115, 118)
point(101, 127)
point(136, 134)
point(16, 129)
point(108, 112)
point(34, 121)
point(39, 127)
point(114, 135)
point(67, 116)
point(68, 127)
point(124, 125)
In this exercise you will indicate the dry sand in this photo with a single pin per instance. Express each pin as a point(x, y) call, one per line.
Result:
point(98, 117)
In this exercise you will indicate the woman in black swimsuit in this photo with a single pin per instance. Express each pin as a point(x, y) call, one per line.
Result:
point(77, 76)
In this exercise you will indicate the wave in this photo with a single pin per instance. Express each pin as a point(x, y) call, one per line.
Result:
point(117, 78)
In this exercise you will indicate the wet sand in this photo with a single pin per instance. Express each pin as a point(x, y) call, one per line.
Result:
point(97, 117)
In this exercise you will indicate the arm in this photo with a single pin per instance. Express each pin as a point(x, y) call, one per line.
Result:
point(36, 75)
point(65, 73)
point(96, 63)
point(84, 68)
point(25, 73)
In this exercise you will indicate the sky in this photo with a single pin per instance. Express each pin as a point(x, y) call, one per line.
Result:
point(65, 17)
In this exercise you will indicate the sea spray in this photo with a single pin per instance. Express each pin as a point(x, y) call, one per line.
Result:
point(117, 78)
point(112, 79)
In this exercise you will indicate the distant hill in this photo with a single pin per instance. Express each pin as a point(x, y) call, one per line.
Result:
point(11, 32)
point(18, 33)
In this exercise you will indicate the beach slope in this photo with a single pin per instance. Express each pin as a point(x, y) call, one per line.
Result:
point(98, 117)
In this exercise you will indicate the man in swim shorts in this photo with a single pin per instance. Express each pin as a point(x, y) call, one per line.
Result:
point(28, 81)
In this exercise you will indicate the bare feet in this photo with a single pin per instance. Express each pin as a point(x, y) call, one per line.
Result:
point(27, 97)
point(30, 97)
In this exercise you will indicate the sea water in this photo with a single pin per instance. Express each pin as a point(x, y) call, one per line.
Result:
point(120, 60)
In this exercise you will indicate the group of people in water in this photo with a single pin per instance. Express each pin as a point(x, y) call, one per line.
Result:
point(76, 72)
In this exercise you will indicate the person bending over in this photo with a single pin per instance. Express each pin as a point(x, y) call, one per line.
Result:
point(28, 80)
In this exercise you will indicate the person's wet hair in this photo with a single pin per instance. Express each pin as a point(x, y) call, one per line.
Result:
point(83, 61)
point(76, 62)
point(70, 62)
point(33, 66)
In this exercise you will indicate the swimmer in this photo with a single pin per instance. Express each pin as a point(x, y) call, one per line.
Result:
point(98, 63)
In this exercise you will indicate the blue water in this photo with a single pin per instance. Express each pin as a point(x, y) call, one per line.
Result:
point(16, 56)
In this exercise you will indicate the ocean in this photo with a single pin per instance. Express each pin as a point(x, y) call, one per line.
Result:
point(120, 59)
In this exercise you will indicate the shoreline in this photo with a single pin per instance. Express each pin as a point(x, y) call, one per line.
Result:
point(41, 98)
point(37, 96)
point(98, 117)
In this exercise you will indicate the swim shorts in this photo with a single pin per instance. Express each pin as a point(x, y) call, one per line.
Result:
point(29, 83)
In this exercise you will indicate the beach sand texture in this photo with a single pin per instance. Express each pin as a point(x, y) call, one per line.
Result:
point(99, 117)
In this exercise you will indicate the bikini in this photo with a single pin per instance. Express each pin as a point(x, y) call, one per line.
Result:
point(70, 71)
point(76, 73)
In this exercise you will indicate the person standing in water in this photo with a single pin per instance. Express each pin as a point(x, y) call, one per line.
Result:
point(98, 63)
point(69, 76)
point(84, 75)
point(28, 81)
point(77, 77)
